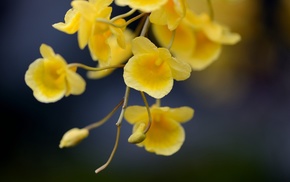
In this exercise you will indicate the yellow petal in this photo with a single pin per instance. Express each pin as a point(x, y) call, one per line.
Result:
point(84, 33)
point(169, 14)
point(75, 83)
point(46, 51)
point(118, 55)
point(135, 114)
point(100, 49)
point(148, 73)
point(181, 114)
point(165, 136)
point(71, 25)
point(142, 45)
point(184, 40)
point(206, 52)
point(47, 86)
point(146, 6)
point(85, 8)
point(180, 70)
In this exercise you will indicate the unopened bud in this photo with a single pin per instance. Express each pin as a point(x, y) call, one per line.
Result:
point(72, 137)
point(138, 136)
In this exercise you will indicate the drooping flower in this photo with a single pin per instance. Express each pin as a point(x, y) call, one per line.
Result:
point(166, 135)
point(146, 6)
point(169, 14)
point(118, 55)
point(50, 78)
point(205, 42)
point(153, 69)
point(88, 19)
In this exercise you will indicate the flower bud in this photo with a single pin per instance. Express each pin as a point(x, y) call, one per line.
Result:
point(138, 136)
point(72, 137)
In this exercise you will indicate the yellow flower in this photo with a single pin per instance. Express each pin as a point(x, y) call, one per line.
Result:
point(145, 5)
point(118, 55)
point(50, 78)
point(166, 135)
point(84, 18)
point(205, 39)
point(73, 137)
point(153, 69)
point(169, 14)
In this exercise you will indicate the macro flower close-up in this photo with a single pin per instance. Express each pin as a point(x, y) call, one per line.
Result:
point(153, 69)
point(145, 90)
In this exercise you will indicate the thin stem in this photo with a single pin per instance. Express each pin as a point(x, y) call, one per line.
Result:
point(211, 12)
point(102, 20)
point(172, 39)
point(89, 68)
point(112, 153)
point(135, 18)
point(158, 102)
point(99, 123)
point(124, 15)
point(126, 97)
point(148, 111)
point(145, 27)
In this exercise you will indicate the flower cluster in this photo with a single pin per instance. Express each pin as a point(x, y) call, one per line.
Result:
point(169, 43)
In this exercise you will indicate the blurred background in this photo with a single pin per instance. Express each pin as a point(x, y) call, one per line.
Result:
point(241, 127)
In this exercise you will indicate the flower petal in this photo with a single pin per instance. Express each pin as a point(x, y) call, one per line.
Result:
point(144, 74)
point(135, 114)
point(181, 114)
point(71, 22)
point(180, 70)
point(165, 137)
point(146, 6)
point(75, 83)
point(142, 45)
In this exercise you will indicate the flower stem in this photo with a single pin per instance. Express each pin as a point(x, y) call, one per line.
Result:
point(126, 97)
point(102, 121)
point(211, 12)
point(148, 111)
point(89, 68)
point(112, 153)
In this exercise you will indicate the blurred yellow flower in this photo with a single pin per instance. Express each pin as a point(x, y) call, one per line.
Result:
point(205, 39)
point(88, 18)
point(50, 78)
point(153, 69)
point(146, 6)
point(169, 14)
point(166, 135)
point(118, 55)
